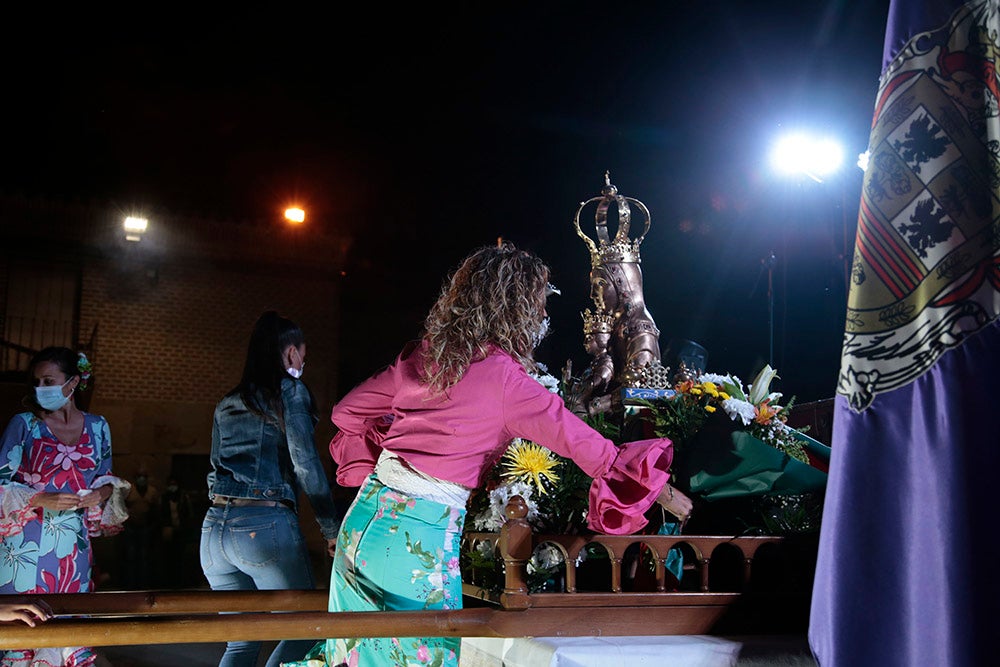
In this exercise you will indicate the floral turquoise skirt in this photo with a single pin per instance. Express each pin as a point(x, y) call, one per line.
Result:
point(394, 553)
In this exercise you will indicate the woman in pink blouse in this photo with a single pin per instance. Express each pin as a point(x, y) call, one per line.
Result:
point(419, 436)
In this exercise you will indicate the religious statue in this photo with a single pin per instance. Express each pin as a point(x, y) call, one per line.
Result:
point(620, 333)
point(600, 374)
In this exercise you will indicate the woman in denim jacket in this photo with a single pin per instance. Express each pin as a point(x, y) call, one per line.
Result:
point(263, 454)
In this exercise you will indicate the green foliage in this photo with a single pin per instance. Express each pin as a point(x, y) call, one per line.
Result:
point(679, 418)
point(791, 514)
point(603, 425)
point(565, 505)
point(780, 438)
point(482, 567)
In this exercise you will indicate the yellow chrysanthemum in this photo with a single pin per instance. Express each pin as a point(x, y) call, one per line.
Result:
point(709, 408)
point(527, 461)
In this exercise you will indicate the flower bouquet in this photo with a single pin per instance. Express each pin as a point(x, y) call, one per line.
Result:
point(735, 455)
point(732, 443)
point(555, 491)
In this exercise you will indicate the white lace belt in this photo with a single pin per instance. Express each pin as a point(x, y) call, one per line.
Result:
point(397, 474)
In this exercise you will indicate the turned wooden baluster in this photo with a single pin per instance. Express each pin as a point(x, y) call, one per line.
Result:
point(616, 572)
point(515, 548)
point(661, 574)
point(704, 560)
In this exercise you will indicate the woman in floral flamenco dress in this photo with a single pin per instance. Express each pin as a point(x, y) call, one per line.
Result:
point(56, 492)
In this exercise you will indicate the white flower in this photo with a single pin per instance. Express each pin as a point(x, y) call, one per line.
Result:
point(493, 518)
point(729, 383)
point(487, 520)
point(546, 557)
point(760, 388)
point(781, 427)
point(737, 409)
point(545, 379)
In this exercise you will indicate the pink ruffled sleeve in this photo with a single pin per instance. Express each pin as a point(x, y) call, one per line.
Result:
point(363, 418)
point(357, 453)
point(620, 497)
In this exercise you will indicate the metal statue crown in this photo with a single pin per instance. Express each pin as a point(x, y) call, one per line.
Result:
point(622, 248)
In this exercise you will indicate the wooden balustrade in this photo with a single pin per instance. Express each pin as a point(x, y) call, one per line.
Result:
point(516, 542)
point(115, 630)
point(169, 617)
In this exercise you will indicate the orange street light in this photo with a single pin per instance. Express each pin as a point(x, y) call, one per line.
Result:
point(295, 215)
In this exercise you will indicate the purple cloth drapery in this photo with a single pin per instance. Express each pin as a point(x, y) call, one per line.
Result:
point(908, 563)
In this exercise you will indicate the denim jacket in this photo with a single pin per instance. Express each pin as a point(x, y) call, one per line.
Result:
point(252, 458)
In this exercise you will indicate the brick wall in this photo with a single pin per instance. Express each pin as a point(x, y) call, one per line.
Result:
point(181, 335)
point(173, 344)
point(173, 316)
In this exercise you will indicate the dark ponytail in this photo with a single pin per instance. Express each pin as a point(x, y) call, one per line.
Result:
point(263, 371)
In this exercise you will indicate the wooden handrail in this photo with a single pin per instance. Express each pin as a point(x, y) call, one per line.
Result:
point(579, 621)
point(183, 602)
point(170, 617)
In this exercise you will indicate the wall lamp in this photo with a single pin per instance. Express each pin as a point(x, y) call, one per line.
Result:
point(134, 228)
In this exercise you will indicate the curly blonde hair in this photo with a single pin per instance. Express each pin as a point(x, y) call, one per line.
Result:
point(496, 296)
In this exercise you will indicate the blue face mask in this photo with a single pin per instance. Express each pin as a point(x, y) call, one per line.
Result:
point(51, 398)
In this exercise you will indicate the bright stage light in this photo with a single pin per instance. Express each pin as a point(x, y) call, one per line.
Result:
point(804, 154)
point(295, 215)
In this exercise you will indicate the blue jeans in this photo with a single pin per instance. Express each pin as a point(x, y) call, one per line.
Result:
point(250, 549)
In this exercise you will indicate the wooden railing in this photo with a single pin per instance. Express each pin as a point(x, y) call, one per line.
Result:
point(516, 543)
point(134, 621)
point(169, 617)
point(695, 610)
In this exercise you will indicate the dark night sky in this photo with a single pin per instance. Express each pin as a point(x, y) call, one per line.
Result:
point(422, 134)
